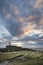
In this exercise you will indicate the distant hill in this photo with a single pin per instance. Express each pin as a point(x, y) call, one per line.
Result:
point(14, 48)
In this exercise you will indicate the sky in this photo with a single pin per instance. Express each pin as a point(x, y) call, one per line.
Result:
point(22, 21)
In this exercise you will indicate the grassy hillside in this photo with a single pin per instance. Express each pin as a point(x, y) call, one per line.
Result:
point(23, 57)
point(13, 48)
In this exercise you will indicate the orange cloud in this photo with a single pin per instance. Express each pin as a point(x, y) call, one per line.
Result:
point(21, 19)
point(30, 18)
point(38, 3)
point(24, 19)
point(28, 24)
point(15, 10)
point(25, 29)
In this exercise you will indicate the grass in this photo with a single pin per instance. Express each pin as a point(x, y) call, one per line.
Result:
point(29, 57)
point(31, 62)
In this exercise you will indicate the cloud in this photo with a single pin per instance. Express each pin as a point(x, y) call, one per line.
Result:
point(3, 30)
point(7, 16)
point(38, 3)
point(16, 11)
point(19, 44)
point(31, 42)
point(22, 18)
point(3, 44)
point(26, 28)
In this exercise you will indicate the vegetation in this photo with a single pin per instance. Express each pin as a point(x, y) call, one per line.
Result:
point(22, 57)
point(10, 48)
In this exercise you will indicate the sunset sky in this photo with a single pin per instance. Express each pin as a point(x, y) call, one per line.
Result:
point(22, 21)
